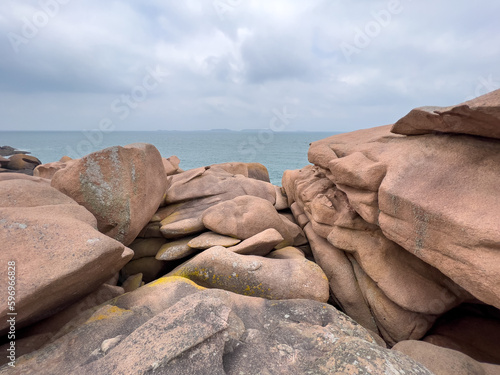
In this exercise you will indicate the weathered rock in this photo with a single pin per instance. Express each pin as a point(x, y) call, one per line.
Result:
point(444, 361)
point(298, 214)
point(394, 323)
point(299, 238)
point(74, 344)
point(404, 278)
point(23, 161)
point(176, 249)
point(171, 326)
point(245, 216)
point(71, 258)
point(146, 247)
point(361, 292)
point(36, 336)
point(171, 165)
point(479, 116)
point(25, 191)
point(409, 238)
point(344, 287)
point(43, 229)
point(353, 354)
point(48, 170)
point(121, 186)
point(433, 218)
point(221, 268)
point(181, 228)
point(210, 239)
point(165, 337)
point(281, 199)
point(213, 182)
point(259, 244)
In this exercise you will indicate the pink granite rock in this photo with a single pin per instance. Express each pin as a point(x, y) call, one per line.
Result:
point(479, 116)
point(121, 186)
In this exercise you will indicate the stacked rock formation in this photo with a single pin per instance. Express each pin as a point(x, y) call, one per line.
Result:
point(127, 264)
point(405, 219)
point(218, 226)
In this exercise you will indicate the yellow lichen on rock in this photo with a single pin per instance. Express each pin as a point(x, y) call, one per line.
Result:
point(173, 279)
point(107, 312)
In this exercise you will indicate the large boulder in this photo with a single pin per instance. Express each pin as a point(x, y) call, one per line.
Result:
point(23, 161)
point(19, 190)
point(246, 216)
point(19, 163)
point(172, 326)
point(221, 268)
point(59, 255)
point(479, 116)
point(121, 186)
point(37, 335)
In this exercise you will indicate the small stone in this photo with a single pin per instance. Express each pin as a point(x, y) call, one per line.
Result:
point(132, 283)
point(176, 249)
point(210, 239)
point(260, 244)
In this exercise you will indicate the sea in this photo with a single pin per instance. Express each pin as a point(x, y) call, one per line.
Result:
point(278, 151)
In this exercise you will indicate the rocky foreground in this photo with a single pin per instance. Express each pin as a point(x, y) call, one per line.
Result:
point(381, 257)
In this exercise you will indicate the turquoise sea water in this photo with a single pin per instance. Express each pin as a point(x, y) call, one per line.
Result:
point(278, 151)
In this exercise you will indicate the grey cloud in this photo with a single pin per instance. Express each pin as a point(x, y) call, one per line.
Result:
point(232, 71)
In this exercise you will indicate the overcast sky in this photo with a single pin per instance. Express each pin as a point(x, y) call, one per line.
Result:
point(332, 65)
